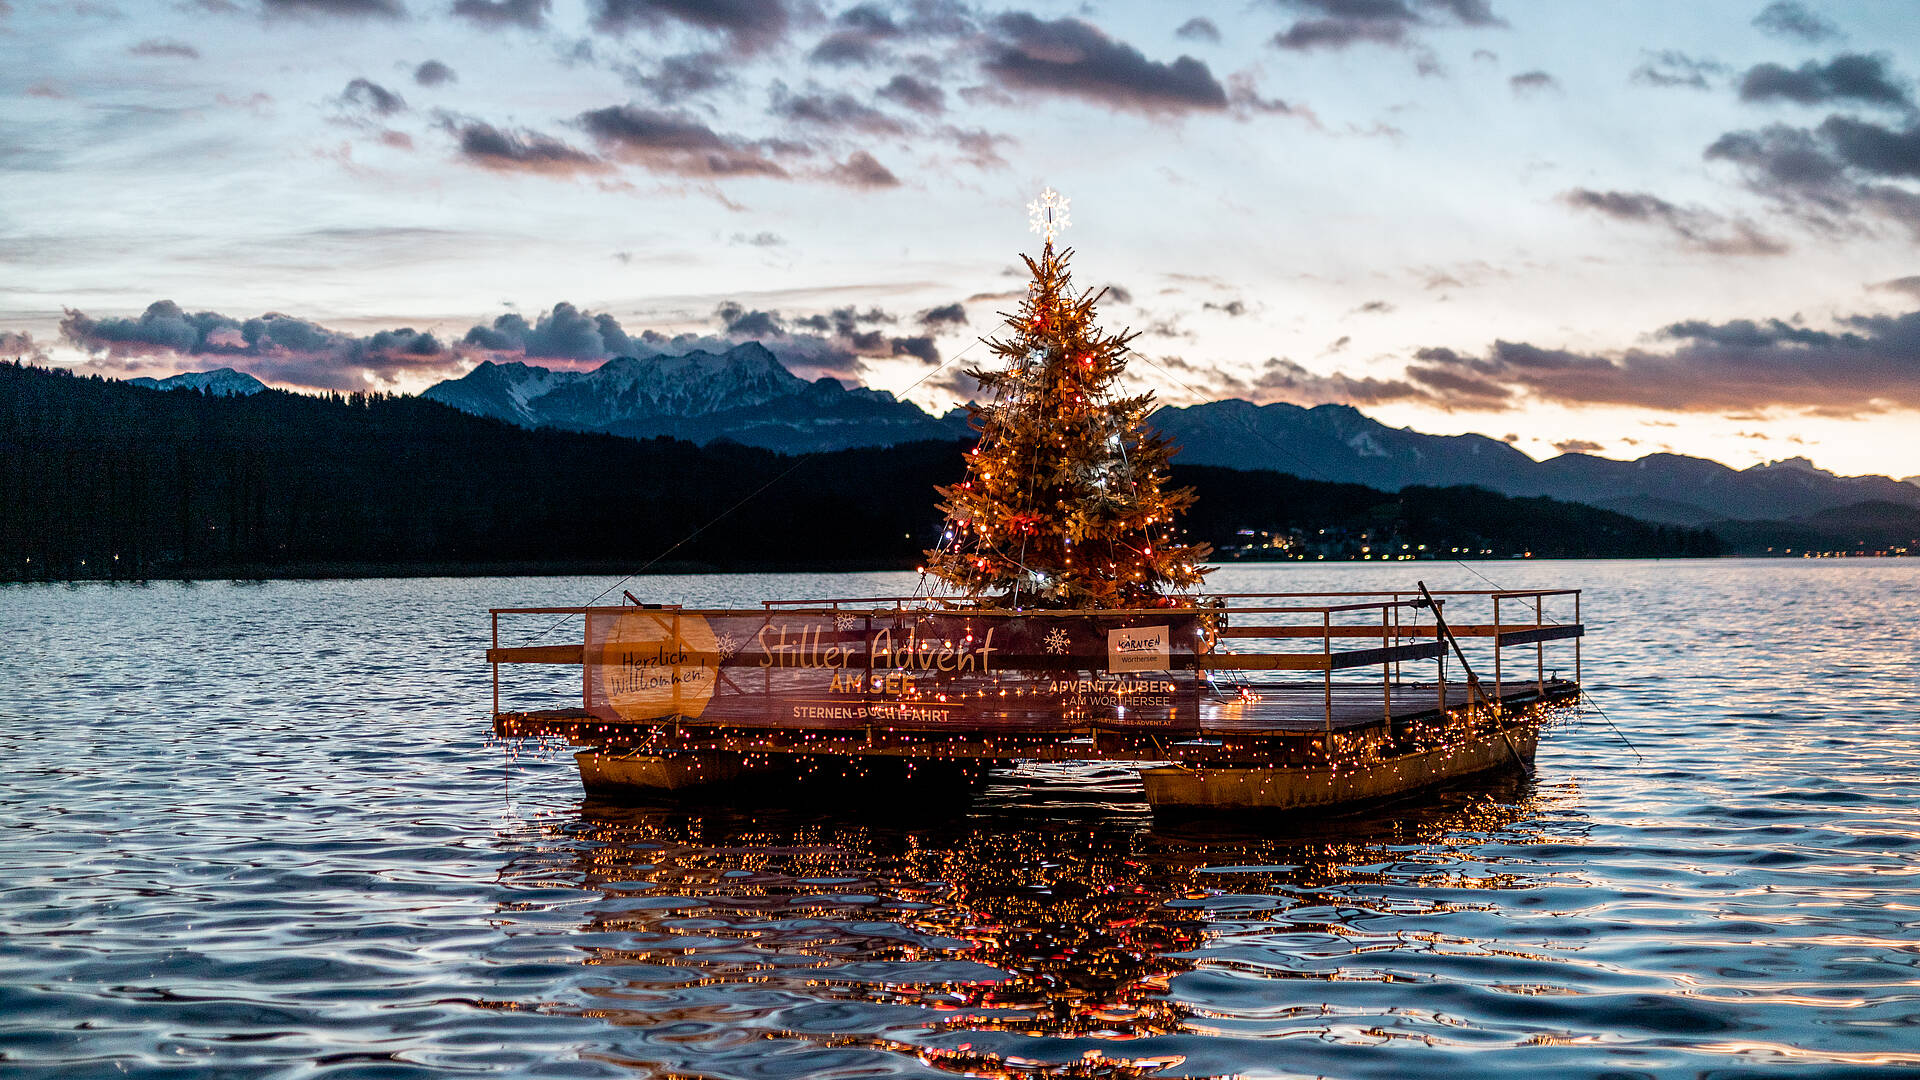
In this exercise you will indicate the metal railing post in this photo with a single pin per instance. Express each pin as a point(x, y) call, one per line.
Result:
point(1576, 641)
point(1539, 649)
point(1498, 695)
point(496, 665)
point(1386, 668)
point(1326, 658)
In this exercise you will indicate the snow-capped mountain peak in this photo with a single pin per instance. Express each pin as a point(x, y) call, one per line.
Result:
point(744, 394)
point(223, 382)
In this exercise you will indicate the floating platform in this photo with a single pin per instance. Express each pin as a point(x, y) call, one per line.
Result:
point(679, 701)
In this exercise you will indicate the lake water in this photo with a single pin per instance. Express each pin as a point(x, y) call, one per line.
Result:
point(261, 830)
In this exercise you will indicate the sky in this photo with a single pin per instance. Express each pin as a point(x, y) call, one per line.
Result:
point(1613, 227)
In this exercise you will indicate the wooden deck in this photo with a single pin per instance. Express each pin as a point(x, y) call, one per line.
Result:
point(1287, 725)
point(1280, 682)
point(1283, 708)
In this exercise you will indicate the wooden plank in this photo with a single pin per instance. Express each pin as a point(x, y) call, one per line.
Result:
point(537, 654)
point(1486, 629)
point(1543, 633)
point(1467, 630)
point(1315, 631)
point(1266, 662)
point(1370, 657)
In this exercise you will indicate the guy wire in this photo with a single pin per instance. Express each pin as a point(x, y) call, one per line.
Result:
point(722, 515)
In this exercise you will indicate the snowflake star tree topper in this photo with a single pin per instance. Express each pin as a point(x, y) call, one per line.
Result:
point(1047, 215)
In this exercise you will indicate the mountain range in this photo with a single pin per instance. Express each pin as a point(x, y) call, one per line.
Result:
point(1338, 442)
point(745, 395)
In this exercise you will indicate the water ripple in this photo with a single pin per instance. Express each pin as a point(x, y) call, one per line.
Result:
point(260, 830)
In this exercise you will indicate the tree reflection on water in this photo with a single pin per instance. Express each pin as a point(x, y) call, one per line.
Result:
point(1030, 931)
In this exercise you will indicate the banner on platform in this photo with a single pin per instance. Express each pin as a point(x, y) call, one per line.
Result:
point(847, 668)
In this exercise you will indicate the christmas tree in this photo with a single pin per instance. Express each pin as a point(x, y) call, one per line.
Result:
point(1064, 503)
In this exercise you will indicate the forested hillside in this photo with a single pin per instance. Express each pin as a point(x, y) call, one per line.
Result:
point(102, 479)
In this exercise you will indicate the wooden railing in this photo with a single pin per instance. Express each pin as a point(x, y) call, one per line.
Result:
point(1401, 622)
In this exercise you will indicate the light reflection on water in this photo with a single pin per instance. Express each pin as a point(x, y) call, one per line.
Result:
point(259, 830)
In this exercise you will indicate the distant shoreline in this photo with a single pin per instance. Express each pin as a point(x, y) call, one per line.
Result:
point(356, 571)
point(351, 571)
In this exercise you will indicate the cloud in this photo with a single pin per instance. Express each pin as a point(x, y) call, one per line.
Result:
point(676, 144)
point(1309, 34)
point(1468, 12)
point(842, 321)
point(1070, 57)
point(833, 342)
point(165, 48)
point(568, 336)
point(1784, 18)
point(1532, 82)
point(434, 73)
point(1282, 379)
point(275, 347)
point(1120, 294)
point(751, 25)
point(283, 348)
point(860, 170)
point(1868, 364)
point(383, 9)
point(1847, 77)
point(916, 94)
point(1577, 446)
point(1199, 28)
point(501, 150)
point(1831, 175)
point(1874, 149)
point(1245, 97)
point(858, 37)
point(945, 315)
point(1233, 308)
point(921, 347)
point(684, 75)
point(492, 14)
point(978, 148)
point(1341, 24)
point(372, 97)
point(1669, 68)
point(837, 111)
point(740, 322)
point(1864, 364)
point(1779, 159)
point(19, 345)
point(1699, 229)
point(1909, 285)
point(564, 333)
point(759, 239)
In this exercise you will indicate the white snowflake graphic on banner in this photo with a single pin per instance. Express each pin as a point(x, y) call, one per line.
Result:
point(1056, 641)
point(727, 644)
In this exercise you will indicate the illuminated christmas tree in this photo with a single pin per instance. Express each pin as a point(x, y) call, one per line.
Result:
point(1064, 503)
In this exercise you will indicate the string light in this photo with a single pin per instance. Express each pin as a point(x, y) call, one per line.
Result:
point(1062, 462)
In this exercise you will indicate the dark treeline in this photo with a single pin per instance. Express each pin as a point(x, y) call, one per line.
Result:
point(1469, 518)
point(101, 479)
